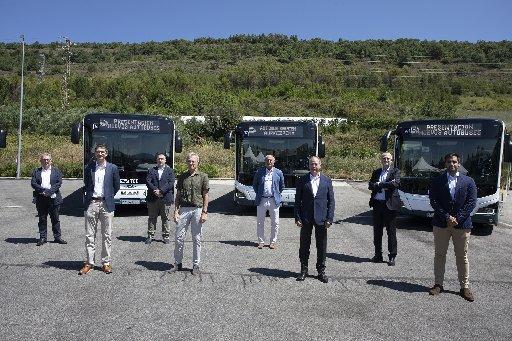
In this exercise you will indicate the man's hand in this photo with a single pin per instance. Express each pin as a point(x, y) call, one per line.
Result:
point(176, 216)
point(158, 193)
point(298, 223)
point(451, 221)
point(327, 224)
point(204, 215)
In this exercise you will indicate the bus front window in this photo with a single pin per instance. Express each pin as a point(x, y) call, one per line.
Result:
point(420, 160)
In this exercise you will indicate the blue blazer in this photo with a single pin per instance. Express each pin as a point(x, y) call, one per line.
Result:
point(443, 205)
point(111, 184)
point(310, 209)
point(165, 184)
point(55, 182)
point(258, 184)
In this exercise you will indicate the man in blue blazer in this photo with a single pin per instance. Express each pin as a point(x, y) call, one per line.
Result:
point(46, 182)
point(268, 184)
point(385, 202)
point(314, 207)
point(160, 197)
point(102, 182)
point(453, 197)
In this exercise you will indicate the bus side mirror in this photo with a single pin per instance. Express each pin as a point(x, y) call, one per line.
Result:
point(507, 157)
point(321, 147)
point(3, 138)
point(227, 139)
point(75, 133)
point(178, 143)
point(384, 141)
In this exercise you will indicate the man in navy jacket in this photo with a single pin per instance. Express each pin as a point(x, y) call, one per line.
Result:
point(385, 203)
point(268, 184)
point(453, 197)
point(46, 182)
point(314, 207)
point(101, 180)
point(160, 197)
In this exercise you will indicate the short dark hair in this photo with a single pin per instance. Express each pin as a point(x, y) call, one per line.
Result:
point(101, 145)
point(450, 155)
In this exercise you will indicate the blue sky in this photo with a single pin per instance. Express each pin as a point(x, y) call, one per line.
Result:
point(146, 20)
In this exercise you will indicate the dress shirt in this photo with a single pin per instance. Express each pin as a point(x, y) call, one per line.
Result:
point(160, 171)
point(383, 175)
point(267, 189)
point(45, 180)
point(315, 182)
point(452, 183)
point(99, 177)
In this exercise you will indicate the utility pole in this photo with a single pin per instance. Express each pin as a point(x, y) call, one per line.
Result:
point(18, 161)
point(66, 58)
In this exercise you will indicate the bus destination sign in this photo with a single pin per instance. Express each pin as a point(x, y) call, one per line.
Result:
point(445, 130)
point(118, 124)
point(273, 131)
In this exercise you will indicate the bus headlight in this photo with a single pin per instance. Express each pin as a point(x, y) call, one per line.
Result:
point(486, 210)
point(239, 194)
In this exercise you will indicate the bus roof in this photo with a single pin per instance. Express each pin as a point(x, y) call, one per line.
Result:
point(139, 116)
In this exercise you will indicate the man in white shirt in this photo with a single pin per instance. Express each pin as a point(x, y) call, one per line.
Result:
point(46, 182)
point(102, 182)
point(268, 184)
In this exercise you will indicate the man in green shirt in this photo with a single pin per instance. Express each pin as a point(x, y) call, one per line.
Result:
point(191, 208)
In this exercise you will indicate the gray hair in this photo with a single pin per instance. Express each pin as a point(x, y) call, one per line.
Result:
point(45, 154)
point(192, 154)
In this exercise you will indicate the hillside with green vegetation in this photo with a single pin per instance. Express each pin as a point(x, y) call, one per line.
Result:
point(374, 84)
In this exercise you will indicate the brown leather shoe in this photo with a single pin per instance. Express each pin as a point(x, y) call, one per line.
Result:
point(467, 294)
point(260, 246)
point(107, 268)
point(436, 290)
point(85, 269)
point(272, 246)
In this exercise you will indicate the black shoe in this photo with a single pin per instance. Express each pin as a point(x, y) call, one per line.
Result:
point(391, 261)
point(196, 270)
point(148, 240)
point(176, 268)
point(377, 259)
point(166, 240)
point(303, 275)
point(323, 278)
point(41, 241)
point(60, 241)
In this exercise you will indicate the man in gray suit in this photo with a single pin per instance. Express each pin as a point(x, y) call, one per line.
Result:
point(102, 182)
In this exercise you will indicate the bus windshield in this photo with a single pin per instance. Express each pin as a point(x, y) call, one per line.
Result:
point(291, 153)
point(133, 151)
point(419, 160)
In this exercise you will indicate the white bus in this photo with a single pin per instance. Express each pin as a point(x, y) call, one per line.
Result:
point(291, 141)
point(132, 141)
point(485, 154)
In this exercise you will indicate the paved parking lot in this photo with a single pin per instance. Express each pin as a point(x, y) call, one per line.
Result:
point(244, 293)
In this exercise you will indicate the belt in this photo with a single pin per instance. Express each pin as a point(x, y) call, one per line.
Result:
point(98, 199)
point(268, 197)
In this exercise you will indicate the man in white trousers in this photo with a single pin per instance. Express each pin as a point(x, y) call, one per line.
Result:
point(268, 184)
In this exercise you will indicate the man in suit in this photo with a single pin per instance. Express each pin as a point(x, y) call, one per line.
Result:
point(314, 207)
point(268, 184)
point(385, 203)
point(101, 179)
point(453, 197)
point(160, 197)
point(46, 182)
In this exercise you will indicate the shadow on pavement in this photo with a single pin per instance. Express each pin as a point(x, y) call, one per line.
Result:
point(132, 239)
point(239, 243)
point(481, 230)
point(363, 218)
point(74, 265)
point(274, 272)
point(155, 266)
point(21, 240)
point(347, 258)
point(131, 210)
point(73, 205)
point(399, 286)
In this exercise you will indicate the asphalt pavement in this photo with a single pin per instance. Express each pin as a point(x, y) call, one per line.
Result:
point(244, 293)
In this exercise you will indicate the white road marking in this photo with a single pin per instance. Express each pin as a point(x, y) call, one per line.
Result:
point(509, 225)
point(13, 206)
